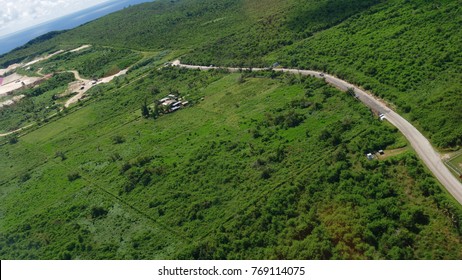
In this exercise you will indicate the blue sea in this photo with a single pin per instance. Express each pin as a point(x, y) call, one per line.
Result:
point(18, 39)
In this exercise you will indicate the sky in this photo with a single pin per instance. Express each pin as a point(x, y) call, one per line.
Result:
point(19, 15)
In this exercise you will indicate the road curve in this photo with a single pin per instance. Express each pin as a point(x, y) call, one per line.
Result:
point(421, 145)
point(86, 85)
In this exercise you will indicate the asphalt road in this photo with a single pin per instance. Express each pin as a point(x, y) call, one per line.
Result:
point(421, 145)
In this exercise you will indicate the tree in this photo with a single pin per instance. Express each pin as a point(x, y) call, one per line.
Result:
point(351, 91)
point(118, 139)
point(73, 176)
point(13, 139)
point(25, 177)
point(145, 110)
point(155, 91)
point(155, 111)
point(98, 211)
point(61, 155)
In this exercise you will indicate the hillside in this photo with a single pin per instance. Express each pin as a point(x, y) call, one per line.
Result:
point(257, 166)
point(408, 52)
point(260, 168)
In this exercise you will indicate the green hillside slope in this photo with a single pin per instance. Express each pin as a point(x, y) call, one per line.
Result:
point(257, 166)
point(406, 51)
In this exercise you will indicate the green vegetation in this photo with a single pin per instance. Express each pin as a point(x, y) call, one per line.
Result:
point(57, 81)
point(39, 104)
point(405, 51)
point(260, 165)
point(455, 164)
point(283, 24)
point(265, 168)
point(95, 62)
point(46, 100)
point(408, 52)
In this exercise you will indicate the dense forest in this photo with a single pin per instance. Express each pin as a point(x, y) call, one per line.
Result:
point(260, 165)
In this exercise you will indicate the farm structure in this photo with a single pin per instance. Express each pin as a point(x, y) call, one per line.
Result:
point(172, 103)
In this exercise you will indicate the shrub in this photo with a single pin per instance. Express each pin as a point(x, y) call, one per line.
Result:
point(73, 176)
point(13, 140)
point(118, 139)
point(25, 177)
point(98, 212)
point(61, 155)
point(126, 166)
point(115, 157)
point(266, 174)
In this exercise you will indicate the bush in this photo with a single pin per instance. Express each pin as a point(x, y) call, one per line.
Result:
point(125, 166)
point(65, 255)
point(115, 157)
point(25, 177)
point(98, 212)
point(13, 140)
point(73, 176)
point(61, 155)
point(118, 139)
point(266, 174)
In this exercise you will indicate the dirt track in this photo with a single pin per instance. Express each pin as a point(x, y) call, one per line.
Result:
point(83, 85)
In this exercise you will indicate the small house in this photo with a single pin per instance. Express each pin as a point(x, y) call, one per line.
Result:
point(168, 102)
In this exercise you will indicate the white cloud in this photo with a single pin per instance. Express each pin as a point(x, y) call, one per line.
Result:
point(17, 15)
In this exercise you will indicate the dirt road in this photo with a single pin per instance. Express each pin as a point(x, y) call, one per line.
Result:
point(14, 131)
point(420, 144)
point(83, 85)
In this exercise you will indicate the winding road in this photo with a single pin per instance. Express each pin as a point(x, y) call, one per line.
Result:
point(421, 145)
point(87, 84)
point(81, 89)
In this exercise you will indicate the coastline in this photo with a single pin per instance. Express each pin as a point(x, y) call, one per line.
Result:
point(11, 41)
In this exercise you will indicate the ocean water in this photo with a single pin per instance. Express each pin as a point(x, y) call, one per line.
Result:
point(20, 38)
